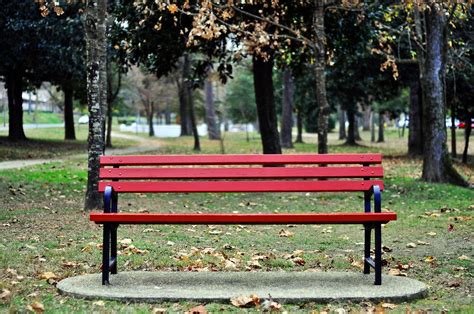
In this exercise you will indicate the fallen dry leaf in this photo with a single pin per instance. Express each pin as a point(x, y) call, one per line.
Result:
point(125, 241)
point(460, 218)
point(69, 264)
point(464, 258)
point(36, 306)
point(200, 309)
point(48, 275)
point(422, 243)
point(285, 233)
point(358, 263)
point(5, 295)
point(430, 259)
point(390, 306)
point(245, 301)
point(298, 261)
point(386, 249)
point(454, 284)
point(99, 303)
point(254, 264)
point(229, 265)
point(270, 305)
point(411, 245)
point(396, 272)
point(158, 310)
point(431, 233)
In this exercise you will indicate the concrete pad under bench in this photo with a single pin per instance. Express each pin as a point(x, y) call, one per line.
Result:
point(285, 287)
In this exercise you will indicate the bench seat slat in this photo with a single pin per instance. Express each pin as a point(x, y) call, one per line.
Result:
point(268, 159)
point(240, 173)
point(240, 186)
point(305, 218)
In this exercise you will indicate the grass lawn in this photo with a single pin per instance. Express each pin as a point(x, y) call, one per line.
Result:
point(48, 143)
point(46, 234)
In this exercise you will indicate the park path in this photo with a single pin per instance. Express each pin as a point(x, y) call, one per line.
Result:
point(143, 145)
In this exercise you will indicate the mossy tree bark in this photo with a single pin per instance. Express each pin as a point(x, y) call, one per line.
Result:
point(96, 63)
point(437, 166)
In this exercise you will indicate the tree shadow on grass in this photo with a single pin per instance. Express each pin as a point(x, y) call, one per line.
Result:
point(39, 149)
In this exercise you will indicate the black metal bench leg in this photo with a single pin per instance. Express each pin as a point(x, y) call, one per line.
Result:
point(378, 254)
point(113, 248)
point(367, 242)
point(106, 254)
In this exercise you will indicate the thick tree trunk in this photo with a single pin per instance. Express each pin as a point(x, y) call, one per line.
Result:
point(342, 123)
point(287, 110)
point(467, 134)
point(381, 138)
point(366, 118)
point(356, 128)
point(320, 75)
point(415, 126)
point(95, 37)
point(437, 166)
point(14, 82)
point(69, 132)
point(351, 136)
point(212, 127)
point(264, 97)
point(299, 126)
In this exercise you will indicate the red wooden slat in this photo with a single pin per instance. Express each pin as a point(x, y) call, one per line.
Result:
point(241, 159)
point(311, 218)
point(239, 186)
point(240, 173)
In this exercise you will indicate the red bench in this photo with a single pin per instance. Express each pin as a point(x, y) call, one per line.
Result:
point(242, 173)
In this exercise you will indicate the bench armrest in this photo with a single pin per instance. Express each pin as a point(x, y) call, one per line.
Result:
point(377, 199)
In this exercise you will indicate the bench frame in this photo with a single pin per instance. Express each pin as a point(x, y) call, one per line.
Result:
point(111, 219)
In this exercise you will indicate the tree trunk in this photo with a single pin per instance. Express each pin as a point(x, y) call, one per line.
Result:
point(287, 110)
point(372, 127)
point(95, 37)
point(467, 134)
point(415, 129)
point(192, 116)
point(356, 128)
point(14, 83)
point(189, 101)
point(351, 138)
point(453, 129)
point(366, 118)
point(70, 134)
point(167, 114)
point(437, 166)
point(299, 126)
point(381, 127)
point(212, 128)
point(183, 111)
point(150, 113)
point(342, 123)
point(108, 138)
point(320, 76)
point(264, 98)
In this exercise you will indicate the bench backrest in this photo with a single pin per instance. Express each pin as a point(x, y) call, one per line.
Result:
point(241, 173)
